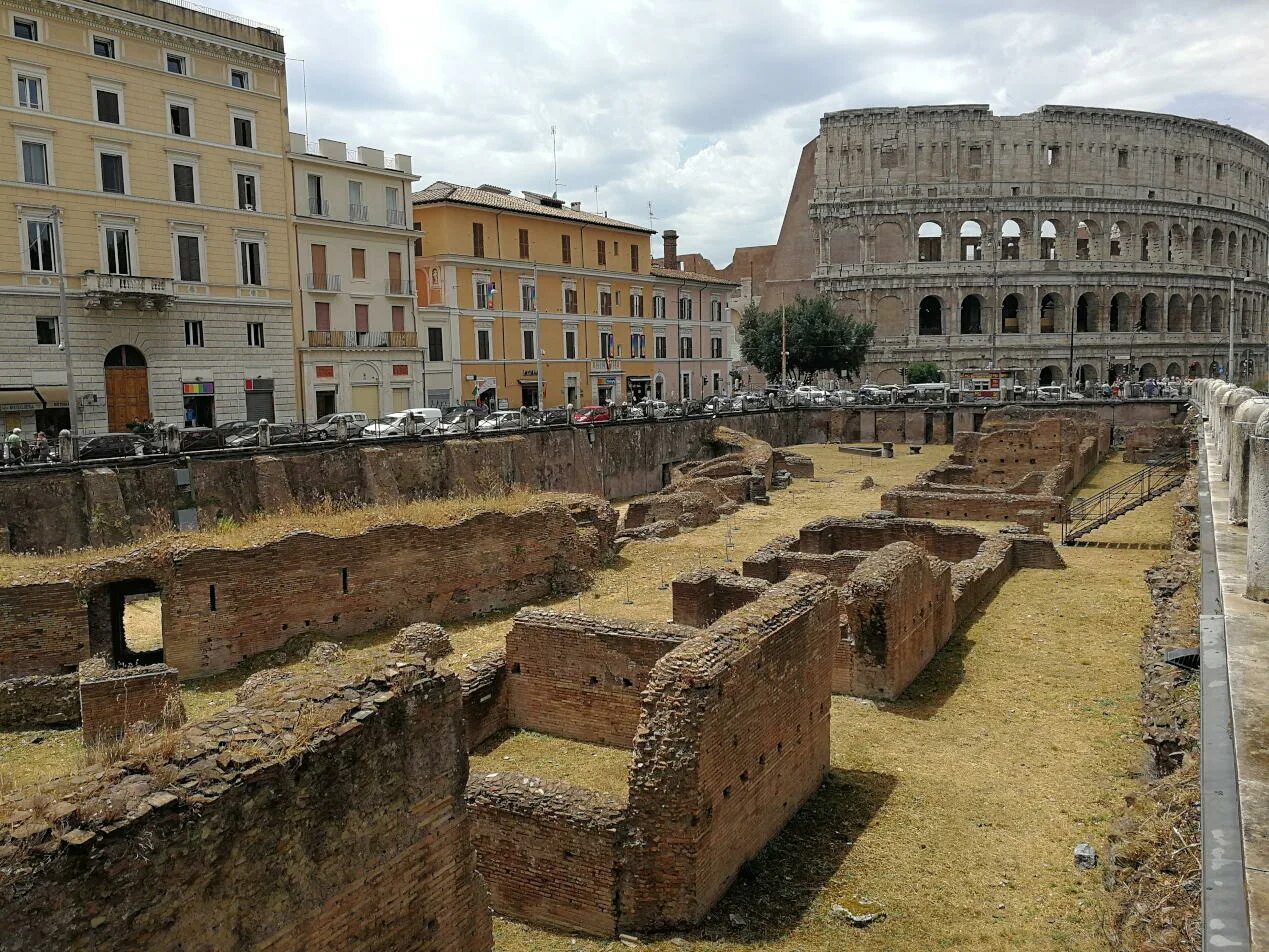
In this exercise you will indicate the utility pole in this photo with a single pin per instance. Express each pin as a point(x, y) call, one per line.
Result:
point(63, 320)
point(1229, 360)
point(537, 333)
point(784, 344)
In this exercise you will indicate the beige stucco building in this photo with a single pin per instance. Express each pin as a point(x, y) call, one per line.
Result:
point(358, 342)
point(143, 157)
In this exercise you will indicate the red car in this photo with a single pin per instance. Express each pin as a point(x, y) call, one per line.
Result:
point(592, 415)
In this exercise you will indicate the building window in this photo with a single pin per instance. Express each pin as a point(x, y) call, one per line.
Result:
point(359, 263)
point(361, 321)
point(570, 300)
point(1052, 155)
point(528, 297)
point(239, 79)
point(177, 64)
point(40, 247)
point(435, 345)
point(244, 132)
point(321, 315)
point(118, 251)
point(183, 179)
point(112, 176)
point(636, 304)
point(194, 334)
point(607, 345)
point(30, 91)
point(46, 330)
point(528, 336)
point(477, 239)
point(108, 106)
point(524, 244)
point(255, 334)
point(602, 247)
point(484, 292)
point(181, 119)
point(484, 344)
point(716, 347)
point(245, 183)
point(685, 347)
point(605, 303)
point(1220, 170)
point(418, 242)
point(638, 345)
point(250, 264)
point(660, 347)
point(1123, 158)
point(566, 249)
point(392, 202)
point(398, 318)
point(189, 258)
point(658, 306)
point(716, 310)
point(634, 257)
point(686, 393)
point(316, 203)
point(104, 47)
point(35, 163)
point(570, 344)
point(25, 29)
point(685, 309)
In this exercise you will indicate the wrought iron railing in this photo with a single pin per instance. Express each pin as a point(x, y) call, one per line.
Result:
point(1151, 481)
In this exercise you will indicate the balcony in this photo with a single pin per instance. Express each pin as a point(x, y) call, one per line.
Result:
point(401, 287)
point(358, 213)
point(323, 282)
point(396, 217)
point(363, 340)
point(318, 207)
point(610, 366)
point(114, 291)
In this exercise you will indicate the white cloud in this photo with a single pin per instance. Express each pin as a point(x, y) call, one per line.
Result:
point(701, 107)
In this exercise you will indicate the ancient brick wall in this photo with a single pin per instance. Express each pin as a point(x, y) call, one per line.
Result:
point(700, 598)
point(548, 851)
point(43, 629)
point(324, 818)
point(972, 507)
point(581, 677)
point(733, 739)
point(43, 700)
point(484, 688)
point(113, 699)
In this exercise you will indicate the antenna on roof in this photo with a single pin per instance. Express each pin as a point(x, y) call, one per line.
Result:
point(596, 199)
point(555, 158)
point(650, 217)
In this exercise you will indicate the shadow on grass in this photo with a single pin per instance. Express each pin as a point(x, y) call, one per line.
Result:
point(776, 889)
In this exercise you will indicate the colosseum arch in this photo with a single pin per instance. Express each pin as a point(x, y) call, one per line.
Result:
point(891, 321)
point(1195, 369)
point(1050, 313)
point(1217, 253)
point(972, 314)
point(1087, 373)
point(1231, 249)
point(888, 243)
point(1051, 374)
point(1147, 371)
point(1011, 235)
point(1149, 313)
point(1174, 370)
point(1087, 240)
point(971, 243)
point(1049, 240)
point(1118, 319)
point(930, 241)
point(1176, 314)
point(1198, 245)
point(1086, 313)
point(843, 246)
point(930, 316)
point(1120, 237)
point(1011, 314)
point(1150, 242)
point(1176, 244)
point(1217, 321)
point(1198, 315)
point(1244, 325)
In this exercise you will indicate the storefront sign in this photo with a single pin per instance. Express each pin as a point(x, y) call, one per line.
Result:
point(199, 388)
point(258, 383)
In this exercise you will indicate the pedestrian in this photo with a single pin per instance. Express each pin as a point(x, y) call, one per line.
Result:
point(39, 447)
point(13, 444)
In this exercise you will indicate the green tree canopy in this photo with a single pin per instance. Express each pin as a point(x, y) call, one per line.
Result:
point(924, 372)
point(819, 338)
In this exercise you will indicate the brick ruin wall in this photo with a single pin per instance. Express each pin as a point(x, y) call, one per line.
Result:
point(50, 510)
point(731, 737)
point(220, 606)
point(111, 700)
point(323, 818)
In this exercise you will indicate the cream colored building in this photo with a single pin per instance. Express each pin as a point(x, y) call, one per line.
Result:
point(142, 155)
point(359, 344)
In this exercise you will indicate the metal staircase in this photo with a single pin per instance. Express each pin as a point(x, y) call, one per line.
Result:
point(1150, 482)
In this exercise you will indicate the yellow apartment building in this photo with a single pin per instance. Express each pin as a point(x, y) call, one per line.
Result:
point(535, 302)
point(142, 167)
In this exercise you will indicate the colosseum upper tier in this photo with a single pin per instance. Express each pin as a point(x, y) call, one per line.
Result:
point(1070, 240)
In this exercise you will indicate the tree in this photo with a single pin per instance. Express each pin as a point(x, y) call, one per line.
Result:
point(819, 338)
point(924, 372)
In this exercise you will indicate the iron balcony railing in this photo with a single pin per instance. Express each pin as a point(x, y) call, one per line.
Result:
point(396, 217)
point(358, 212)
point(363, 339)
point(324, 282)
point(318, 207)
point(1151, 481)
point(400, 286)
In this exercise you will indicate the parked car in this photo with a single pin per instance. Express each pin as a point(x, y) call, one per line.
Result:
point(280, 434)
point(674, 411)
point(454, 420)
point(324, 428)
point(718, 404)
point(394, 424)
point(116, 446)
point(750, 402)
point(501, 420)
point(201, 438)
point(592, 415)
point(872, 394)
point(555, 417)
point(807, 395)
point(843, 398)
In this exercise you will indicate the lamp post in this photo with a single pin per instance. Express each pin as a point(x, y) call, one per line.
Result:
point(63, 320)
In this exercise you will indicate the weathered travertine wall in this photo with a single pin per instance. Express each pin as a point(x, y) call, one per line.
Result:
point(321, 818)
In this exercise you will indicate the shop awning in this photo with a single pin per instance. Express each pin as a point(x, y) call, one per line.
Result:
point(32, 398)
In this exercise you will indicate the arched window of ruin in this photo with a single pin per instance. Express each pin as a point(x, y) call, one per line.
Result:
point(1119, 235)
point(1148, 371)
point(1231, 253)
point(972, 315)
point(1216, 324)
point(1148, 315)
point(1050, 375)
point(1217, 253)
point(843, 246)
point(1196, 369)
point(1149, 242)
point(1174, 369)
point(890, 317)
point(888, 243)
point(1048, 240)
point(1198, 243)
point(1244, 326)
point(930, 316)
point(1086, 313)
point(1176, 243)
point(930, 241)
point(971, 241)
point(1117, 318)
point(1009, 311)
point(1176, 314)
point(1198, 315)
point(1085, 233)
point(1011, 240)
point(1048, 313)
point(1087, 373)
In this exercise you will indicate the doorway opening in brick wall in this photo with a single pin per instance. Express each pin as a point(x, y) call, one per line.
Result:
point(126, 622)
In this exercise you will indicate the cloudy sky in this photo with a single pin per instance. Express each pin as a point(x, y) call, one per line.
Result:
point(701, 107)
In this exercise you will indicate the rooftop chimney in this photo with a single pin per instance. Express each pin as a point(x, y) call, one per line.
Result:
point(671, 249)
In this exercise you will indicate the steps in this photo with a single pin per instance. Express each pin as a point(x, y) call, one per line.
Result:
point(1150, 482)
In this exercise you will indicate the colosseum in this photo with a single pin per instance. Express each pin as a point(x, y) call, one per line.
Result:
point(1070, 242)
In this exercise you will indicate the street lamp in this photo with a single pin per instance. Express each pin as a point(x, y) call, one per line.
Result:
point(63, 320)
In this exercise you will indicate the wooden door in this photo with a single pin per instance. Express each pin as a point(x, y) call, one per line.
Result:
point(394, 272)
point(127, 397)
point(319, 267)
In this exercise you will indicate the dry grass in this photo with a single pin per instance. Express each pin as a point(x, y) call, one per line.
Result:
point(593, 766)
point(143, 622)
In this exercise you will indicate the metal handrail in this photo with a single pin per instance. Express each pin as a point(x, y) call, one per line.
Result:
point(1152, 479)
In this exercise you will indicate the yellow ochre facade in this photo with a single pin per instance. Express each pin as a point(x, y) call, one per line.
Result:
point(528, 290)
